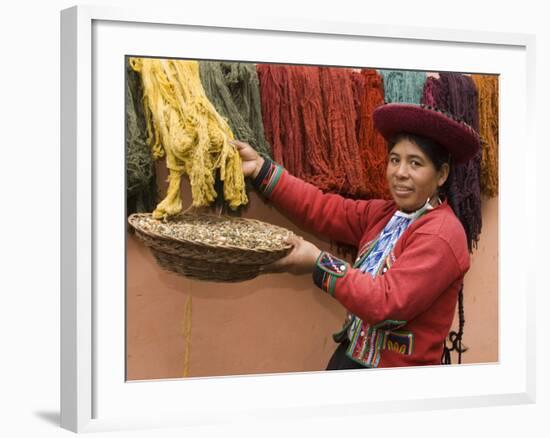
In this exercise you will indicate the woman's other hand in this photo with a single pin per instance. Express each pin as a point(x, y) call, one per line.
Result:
point(300, 260)
point(252, 161)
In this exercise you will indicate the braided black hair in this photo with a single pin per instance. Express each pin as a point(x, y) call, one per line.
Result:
point(454, 337)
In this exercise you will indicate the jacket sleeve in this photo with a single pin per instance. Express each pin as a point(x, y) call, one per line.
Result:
point(425, 269)
point(325, 214)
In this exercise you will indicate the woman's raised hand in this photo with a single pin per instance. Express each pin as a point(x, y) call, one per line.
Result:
point(303, 256)
point(252, 161)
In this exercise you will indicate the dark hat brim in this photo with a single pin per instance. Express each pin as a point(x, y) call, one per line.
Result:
point(457, 137)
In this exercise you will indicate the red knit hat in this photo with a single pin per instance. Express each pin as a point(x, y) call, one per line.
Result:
point(457, 137)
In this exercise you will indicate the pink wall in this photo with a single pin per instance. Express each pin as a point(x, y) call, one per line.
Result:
point(481, 292)
point(274, 323)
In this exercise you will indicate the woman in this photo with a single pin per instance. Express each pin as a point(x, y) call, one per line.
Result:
point(401, 292)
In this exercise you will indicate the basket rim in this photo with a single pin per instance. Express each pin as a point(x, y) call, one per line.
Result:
point(134, 216)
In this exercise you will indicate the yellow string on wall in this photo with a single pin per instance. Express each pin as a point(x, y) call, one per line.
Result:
point(183, 125)
point(186, 332)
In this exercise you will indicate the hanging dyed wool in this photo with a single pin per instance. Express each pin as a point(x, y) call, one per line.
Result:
point(372, 145)
point(294, 122)
point(358, 84)
point(310, 120)
point(233, 89)
point(140, 180)
point(290, 123)
point(184, 124)
point(457, 94)
point(430, 89)
point(487, 87)
point(403, 86)
point(277, 107)
point(317, 168)
point(344, 153)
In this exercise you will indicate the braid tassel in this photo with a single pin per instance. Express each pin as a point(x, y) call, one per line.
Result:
point(454, 337)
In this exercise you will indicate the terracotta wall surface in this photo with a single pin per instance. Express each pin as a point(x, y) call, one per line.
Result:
point(274, 323)
point(481, 292)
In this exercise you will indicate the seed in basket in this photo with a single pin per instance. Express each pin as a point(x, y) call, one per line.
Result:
point(220, 230)
point(212, 248)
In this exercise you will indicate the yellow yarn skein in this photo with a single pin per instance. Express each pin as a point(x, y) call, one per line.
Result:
point(183, 124)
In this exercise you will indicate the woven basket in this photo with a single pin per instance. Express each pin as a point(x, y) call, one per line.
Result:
point(199, 255)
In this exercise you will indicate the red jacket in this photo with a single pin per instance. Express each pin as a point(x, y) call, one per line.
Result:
point(407, 310)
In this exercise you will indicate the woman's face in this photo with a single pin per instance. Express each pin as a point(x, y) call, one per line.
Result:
point(412, 176)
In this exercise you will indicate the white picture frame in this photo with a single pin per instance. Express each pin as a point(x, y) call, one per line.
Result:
point(94, 395)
